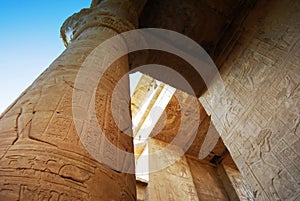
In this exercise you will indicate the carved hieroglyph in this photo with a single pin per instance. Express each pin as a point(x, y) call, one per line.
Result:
point(258, 116)
point(41, 157)
point(172, 183)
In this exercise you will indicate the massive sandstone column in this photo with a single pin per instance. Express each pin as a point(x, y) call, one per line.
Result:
point(41, 156)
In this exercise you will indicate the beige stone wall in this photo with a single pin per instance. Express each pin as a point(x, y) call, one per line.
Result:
point(235, 184)
point(174, 182)
point(258, 116)
point(186, 179)
point(141, 191)
point(207, 182)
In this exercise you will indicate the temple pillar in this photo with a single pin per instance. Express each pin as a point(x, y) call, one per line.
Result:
point(41, 155)
point(175, 181)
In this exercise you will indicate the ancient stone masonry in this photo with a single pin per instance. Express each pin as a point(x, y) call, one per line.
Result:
point(41, 157)
point(213, 24)
point(172, 183)
point(258, 116)
point(173, 176)
point(256, 46)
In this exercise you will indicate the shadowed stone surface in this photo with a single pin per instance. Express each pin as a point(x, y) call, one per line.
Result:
point(256, 46)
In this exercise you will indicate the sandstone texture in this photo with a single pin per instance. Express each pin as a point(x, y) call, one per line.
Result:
point(249, 125)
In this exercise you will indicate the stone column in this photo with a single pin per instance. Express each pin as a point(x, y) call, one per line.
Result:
point(175, 181)
point(41, 156)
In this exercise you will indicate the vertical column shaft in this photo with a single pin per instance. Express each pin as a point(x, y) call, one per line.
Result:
point(41, 156)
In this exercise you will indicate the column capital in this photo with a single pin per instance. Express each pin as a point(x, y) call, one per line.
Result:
point(118, 15)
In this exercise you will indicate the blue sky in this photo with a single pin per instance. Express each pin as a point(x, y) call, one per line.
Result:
point(30, 41)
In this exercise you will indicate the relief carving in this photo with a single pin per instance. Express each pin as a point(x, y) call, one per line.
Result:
point(74, 173)
point(261, 156)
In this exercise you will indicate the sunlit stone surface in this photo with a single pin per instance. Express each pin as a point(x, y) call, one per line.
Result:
point(254, 43)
